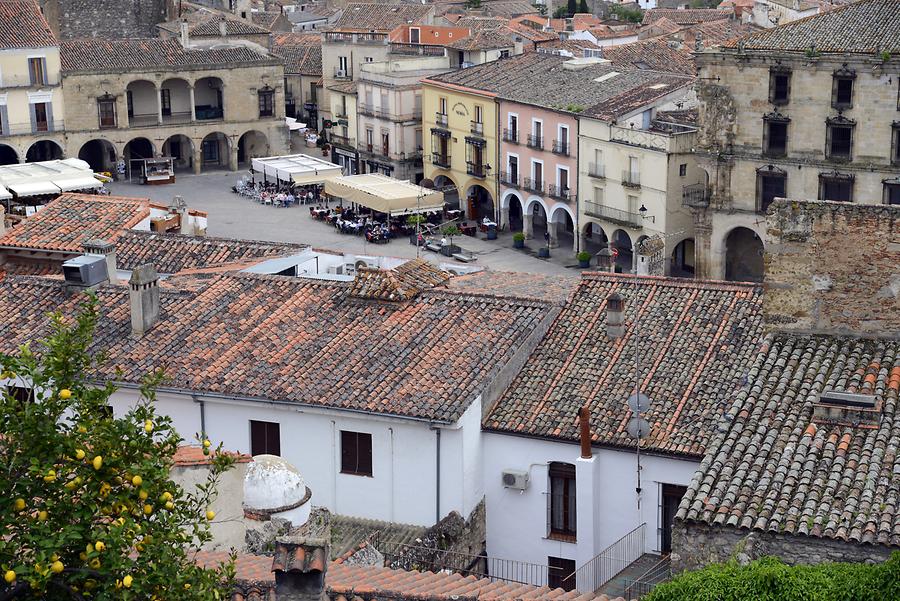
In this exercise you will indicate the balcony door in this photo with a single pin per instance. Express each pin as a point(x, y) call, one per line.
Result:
point(513, 169)
point(537, 174)
point(513, 126)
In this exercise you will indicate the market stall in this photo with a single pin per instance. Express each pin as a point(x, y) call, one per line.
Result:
point(385, 194)
point(299, 169)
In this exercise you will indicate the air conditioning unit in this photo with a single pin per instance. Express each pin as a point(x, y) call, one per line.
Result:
point(85, 271)
point(515, 479)
point(336, 269)
point(340, 73)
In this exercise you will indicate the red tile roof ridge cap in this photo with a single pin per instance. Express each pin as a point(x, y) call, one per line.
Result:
point(201, 239)
point(524, 300)
point(671, 281)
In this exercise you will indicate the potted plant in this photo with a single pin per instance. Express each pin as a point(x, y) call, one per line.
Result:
point(448, 231)
point(584, 259)
point(412, 221)
point(518, 240)
point(544, 252)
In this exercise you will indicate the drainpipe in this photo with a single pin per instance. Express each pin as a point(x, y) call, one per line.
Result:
point(577, 223)
point(202, 415)
point(437, 474)
point(391, 430)
point(334, 466)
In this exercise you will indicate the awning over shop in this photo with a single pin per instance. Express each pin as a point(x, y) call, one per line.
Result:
point(385, 194)
point(4, 194)
point(84, 182)
point(299, 168)
point(33, 188)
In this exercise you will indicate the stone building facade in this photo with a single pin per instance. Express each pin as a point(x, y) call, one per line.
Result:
point(781, 118)
point(206, 107)
point(71, 19)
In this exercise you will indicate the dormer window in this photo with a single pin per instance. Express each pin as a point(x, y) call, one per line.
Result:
point(835, 406)
point(842, 88)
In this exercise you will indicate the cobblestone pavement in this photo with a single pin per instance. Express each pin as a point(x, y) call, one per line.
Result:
point(233, 216)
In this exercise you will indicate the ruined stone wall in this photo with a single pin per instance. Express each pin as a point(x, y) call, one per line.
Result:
point(72, 19)
point(697, 545)
point(833, 267)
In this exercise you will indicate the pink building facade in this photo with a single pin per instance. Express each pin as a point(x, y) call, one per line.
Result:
point(538, 172)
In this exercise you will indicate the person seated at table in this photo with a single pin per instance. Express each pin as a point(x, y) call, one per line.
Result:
point(443, 241)
point(487, 222)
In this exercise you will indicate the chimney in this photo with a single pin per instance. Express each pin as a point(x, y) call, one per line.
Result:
point(2, 220)
point(185, 35)
point(223, 27)
point(300, 562)
point(179, 206)
point(105, 249)
point(584, 425)
point(615, 316)
point(144, 299)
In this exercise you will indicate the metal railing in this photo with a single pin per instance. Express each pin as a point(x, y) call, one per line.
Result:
point(342, 140)
point(560, 147)
point(441, 160)
point(440, 119)
point(365, 109)
point(534, 185)
point(476, 169)
point(615, 215)
point(509, 179)
point(412, 557)
point(511, 135)
point(609, 562)
point(597, 170)
point(695, 196)
point(477, 128)
point(558, 192)
point(631, 178)
point(646, 582)
point(417, 49)
point(13, 129)
point(535, 142)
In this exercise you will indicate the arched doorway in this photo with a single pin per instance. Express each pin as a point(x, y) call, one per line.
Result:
point(594, 239)
point(251, 145)
point(175, 101)
point(516, 213)
point(743, 256)
point(682, 265)
point(563, 227)
point(451, 192)
point(143, 101)
point(209, 99)
point(181, 149)
point(621, 243)
point(537, 214)
point(100, 154)
point(215, 150)
point(480, 203)
point(44, 150)
point(8, 155)
point(139, 148)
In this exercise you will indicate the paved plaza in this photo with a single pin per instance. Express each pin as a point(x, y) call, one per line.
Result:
point(234, 216)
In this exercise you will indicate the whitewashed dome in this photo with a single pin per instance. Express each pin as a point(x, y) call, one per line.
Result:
point(275, 488)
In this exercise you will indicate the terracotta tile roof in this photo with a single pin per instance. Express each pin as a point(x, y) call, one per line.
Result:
point(254, 576)
point(575, 47)
point(477, 23)
point(866, 26)
point(297, 340)
point(532, 34)
point(381, 17)
point(399, 284)
point(349, 533)
point(621, 92)
point(777, 467)
point(508, 8)
point(655, 54)
point(22, 25)
point(172, 253)
point(190, 455)
point(685, 16)
point(715, 33)
point(696, 338)
point(551, 288)
point(485, 39)
point(265, 19)
point(662, 26)
point(66, 223)
point(343, 87)
point(302, 53)
point(151, 53)
point(203, 22)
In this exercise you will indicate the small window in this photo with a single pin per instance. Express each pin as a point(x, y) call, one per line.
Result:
point(895, 144)
point(839, 143)
point(682, 170)
point(265, 438)
point(266, 103)
point(479, 114)
point(442, 105)
point(892, 192)
point(37, 71)
point(560, 573)
point(779, 86)
point(562, 501)
point(106, 107)
point(356, 453)
point(836, 186)
point(771, 183)
point(775, 135)
point(842, 89)
point(165, 101)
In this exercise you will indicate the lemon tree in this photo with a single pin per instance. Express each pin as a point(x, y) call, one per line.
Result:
point(88, 509)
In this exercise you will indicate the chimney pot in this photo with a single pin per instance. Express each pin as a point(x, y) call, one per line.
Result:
point(143, 296)
point(584, 424)
point(106, 249)
point(185, 34)
point(223, 27)
point(615, 316)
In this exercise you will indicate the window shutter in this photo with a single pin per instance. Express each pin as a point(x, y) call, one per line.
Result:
point(257, 437)
point(50, 126)
point(273, 439)
point(33, 118)
point(348, 451)
point(44, 75)
point(364, 453)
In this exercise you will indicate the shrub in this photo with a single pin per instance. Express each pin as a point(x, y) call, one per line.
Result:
point(519, 237)
point(584, 256)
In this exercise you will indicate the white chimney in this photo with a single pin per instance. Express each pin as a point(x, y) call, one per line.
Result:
point(185, 34)
point(223, 27)
point(143, 296)
point(2, 220)
point(105, 249)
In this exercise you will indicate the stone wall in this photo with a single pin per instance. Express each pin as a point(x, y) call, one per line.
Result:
point(833, 267)
point(696, 545)
point(72, 19)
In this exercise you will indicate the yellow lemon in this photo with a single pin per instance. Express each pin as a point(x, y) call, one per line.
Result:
point(19, 504)
point(207, 443)
point(126, 582)
point(42, 516)
point(9, 576)
point(56, 567)
point(50, 477)
point(148, 509)
point(210, 515)
point(187, 585)
point(166, 496)
point(137, 481)
point(170, 505)
point(65, 394)
point(98, 462)
point(143, 495)
point(79, 454)
point(148, 426)
point(99, 546)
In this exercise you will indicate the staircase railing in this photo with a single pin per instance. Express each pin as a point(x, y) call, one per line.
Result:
point(646, 582)
point(609, 562)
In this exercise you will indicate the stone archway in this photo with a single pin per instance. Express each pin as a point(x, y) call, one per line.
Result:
point(142, 98)
point(181, 149)
point(215, 151)
point(100, 154)
point(209, 99)
point(683, 263)
point(480, 203)
point(536, 220)
point(451, 192)
point(175, 101)
point(513, 206)
point(743, 256)
point(623, 246)
point(252, 144)
point(8, 155)
point(43, 150)
point(562, 228)
point(593, 239)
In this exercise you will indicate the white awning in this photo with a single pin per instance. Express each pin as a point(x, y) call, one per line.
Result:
point(4, 194)
point(298, 168)
point(385, 194)
point(33, 188)
point(77, 183)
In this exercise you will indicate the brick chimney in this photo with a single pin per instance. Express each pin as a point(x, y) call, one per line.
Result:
point(300, 563)
point(104, 249)
point(144, 299)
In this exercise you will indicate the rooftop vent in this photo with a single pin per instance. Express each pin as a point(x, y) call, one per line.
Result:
point(85, 271)
point(847, 408)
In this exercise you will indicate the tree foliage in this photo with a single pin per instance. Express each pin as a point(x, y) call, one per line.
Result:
point(583, 7)
point(625, 13)
point(768, 579)
point(88, 508)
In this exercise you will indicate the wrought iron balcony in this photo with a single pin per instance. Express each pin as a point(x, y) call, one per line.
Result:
point(477, 128)
point(535, 142)
point(632, 179)
point(440, 119)
point(534, 185)
point(597, 170)
point(509, 179)
point(559, 192)
point(441, 160)
point(511, 135)
point(476, 169)
point(342, 140)
point(561, 147)
point(365, 109)
point(619, 216)
point(695, 196)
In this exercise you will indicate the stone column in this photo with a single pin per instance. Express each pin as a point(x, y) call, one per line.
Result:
point(193, 106)
point(703, 259)
point(504, 217)
point(233, 158)
point(159, 106)
point(198, 157)
point(554, 228)
point(528, 226)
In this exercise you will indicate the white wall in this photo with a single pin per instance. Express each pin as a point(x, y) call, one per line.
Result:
point(517, 521)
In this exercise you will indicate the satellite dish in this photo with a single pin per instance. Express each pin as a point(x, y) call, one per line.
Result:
point(638, 402)
point(638, 427)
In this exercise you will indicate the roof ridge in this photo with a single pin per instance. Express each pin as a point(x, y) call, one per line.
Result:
point(708, 284)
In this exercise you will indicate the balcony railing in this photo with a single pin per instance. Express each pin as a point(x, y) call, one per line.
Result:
point(614, 215)
point(695, 196)
point(535, 141)
point(632, 179)
point(477, 128)
point(609, 562)
point(440, 119)
point(509, 179)
point(476, 169)
point(559, 192)
point(416, 49)
point(597, 170)
point(511, 135)
point(209, 113)
point(15, 129)
point(342, 140)
point(561, 147)
point(534, 185)
point(370, 110)
point(365, 109)
point(441, 160)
